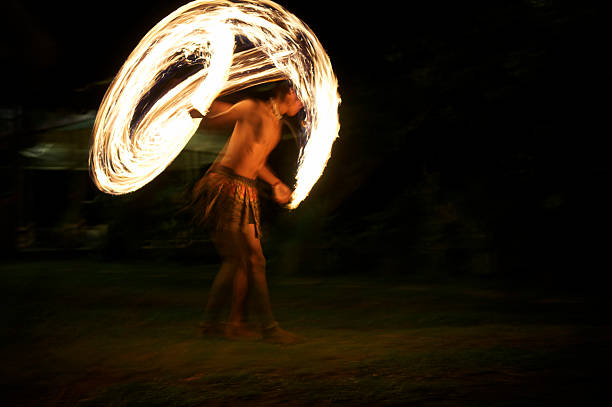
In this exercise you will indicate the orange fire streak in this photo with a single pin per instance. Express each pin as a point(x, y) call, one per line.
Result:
point(125, 156)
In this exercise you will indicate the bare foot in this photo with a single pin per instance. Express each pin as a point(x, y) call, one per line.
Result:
point(240, 332)
point(275, 334)
point(213, 329)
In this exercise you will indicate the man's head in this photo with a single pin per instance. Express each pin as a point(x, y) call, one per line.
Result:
point(283, 93)
point(292, 103)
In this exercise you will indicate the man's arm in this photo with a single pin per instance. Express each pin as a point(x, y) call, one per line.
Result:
point(281, 192)
point(222, 114)
point(266, 174)
point(215, 108)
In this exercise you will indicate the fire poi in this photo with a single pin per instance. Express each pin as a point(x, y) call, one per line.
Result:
point(128, 150)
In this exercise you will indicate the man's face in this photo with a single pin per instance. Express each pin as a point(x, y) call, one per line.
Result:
point(293, 102)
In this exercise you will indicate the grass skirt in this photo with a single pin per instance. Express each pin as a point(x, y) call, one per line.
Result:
point(224, 200)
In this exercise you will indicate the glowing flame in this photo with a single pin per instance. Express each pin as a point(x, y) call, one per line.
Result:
point(128, 151)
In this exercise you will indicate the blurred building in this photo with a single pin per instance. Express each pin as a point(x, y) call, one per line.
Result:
point(48, 201)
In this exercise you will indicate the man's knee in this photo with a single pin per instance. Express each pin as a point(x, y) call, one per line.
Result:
point(236, 261)
point(257, 262)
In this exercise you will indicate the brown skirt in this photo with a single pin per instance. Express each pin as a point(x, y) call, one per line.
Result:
point(224, 200)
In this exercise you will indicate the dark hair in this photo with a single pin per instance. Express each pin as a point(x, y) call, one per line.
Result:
point(269, 90)
point(264, 91)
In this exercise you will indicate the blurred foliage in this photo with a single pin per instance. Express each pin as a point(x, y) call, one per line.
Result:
point(470, 143)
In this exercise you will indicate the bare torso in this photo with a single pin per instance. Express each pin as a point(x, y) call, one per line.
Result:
point(257, 130)
point(255, 135)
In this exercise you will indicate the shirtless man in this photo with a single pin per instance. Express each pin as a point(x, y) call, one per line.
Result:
point(227, 204)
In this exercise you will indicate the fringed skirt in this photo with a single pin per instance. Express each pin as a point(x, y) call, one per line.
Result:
point(224, 200)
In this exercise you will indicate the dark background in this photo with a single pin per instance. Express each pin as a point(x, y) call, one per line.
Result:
point(454, 252)
point(471, 138)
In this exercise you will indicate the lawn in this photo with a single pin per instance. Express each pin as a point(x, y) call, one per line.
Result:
point(86, 332)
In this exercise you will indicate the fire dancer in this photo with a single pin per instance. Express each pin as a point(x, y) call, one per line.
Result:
point(225, 201)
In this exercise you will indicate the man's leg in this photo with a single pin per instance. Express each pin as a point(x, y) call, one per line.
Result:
point(234, 284)
point(256, 267)
point(228, 245)
point(239, 294)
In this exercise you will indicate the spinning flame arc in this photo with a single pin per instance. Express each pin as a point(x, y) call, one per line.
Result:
point(126, 154)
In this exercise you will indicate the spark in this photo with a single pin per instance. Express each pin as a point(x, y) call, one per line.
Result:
point(129, 149)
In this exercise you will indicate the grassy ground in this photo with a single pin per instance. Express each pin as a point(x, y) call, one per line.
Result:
point(90, 333)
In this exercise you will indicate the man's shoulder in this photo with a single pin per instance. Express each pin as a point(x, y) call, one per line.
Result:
point(247, 105)
point(249, 109)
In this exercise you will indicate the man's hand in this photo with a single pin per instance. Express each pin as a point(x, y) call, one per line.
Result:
point(281, 192)
point(194, 113)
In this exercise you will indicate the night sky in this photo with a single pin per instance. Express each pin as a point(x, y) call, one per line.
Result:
point(497, 104)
